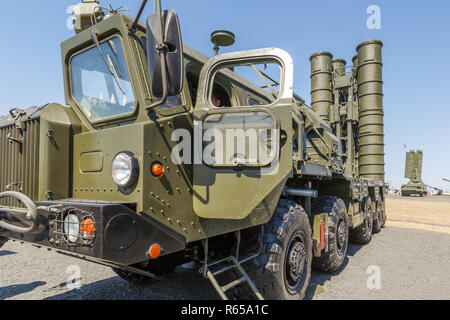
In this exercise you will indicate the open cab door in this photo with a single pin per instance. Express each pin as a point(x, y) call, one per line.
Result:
point(243, 154)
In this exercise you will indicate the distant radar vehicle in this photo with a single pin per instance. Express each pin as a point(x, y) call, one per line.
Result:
point(413, 171)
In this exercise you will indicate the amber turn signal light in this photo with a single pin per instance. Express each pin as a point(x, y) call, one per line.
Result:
point(157, 169)
point(154, 251)
point(87, 230)
point(87, 226)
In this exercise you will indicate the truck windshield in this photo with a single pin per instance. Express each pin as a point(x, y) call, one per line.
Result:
point(102, 90)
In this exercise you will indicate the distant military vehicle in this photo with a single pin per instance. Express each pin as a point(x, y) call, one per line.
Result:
point(413, 171)
point(164, 157)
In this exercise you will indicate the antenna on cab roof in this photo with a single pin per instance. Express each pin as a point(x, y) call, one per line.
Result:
point(141, 9)
point(222, 38)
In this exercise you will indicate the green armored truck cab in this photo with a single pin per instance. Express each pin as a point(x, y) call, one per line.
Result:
point(163, 156)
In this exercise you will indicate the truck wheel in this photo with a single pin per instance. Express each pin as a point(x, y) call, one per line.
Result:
point(283, 270)
point(332, 260)
point(363, 234)
point(378, 218)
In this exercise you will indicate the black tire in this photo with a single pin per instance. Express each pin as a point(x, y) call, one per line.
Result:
point(363, 234)
point(287, 235)
point(160, 267)
point(338, 233)
point(378, 217)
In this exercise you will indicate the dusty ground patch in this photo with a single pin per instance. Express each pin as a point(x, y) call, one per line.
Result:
point(431, 214)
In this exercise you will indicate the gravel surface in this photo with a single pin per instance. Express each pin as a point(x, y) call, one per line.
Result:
point(412, 264)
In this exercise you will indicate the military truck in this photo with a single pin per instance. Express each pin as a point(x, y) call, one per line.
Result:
point(152, 163)
point(413, 171)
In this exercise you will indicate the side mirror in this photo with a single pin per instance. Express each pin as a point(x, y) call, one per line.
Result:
point(166, 52)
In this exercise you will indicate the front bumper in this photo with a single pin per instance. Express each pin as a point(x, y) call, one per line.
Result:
point(121, 237)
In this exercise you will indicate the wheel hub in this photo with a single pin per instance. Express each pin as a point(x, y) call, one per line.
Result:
point(341, 234)
point(296, 263)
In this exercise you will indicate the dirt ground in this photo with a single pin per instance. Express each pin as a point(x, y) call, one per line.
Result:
point(430, 214)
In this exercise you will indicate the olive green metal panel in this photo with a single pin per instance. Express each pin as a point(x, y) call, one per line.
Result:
point(419, 163)
point(233, 194)
point(321, 84)
point(99, 185)
point(169, 199)
point(91, 161)
point(19, 155)
point(58, 125)
point(409, 166)
point(370, 92)
point(413, 167)
point(317, 150)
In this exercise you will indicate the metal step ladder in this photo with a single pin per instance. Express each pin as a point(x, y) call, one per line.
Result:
point(228, 264)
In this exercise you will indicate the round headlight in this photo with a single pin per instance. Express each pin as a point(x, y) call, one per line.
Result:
point(71, 227)
point(125, 169)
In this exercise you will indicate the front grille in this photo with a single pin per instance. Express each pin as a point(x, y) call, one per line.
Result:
point(19, 160)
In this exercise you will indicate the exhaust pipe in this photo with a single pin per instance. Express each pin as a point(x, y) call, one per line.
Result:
point(309, 193)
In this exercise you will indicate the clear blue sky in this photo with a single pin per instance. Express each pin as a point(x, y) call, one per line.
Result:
point(416, 56)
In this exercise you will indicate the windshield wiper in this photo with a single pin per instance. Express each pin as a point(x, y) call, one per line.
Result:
point(107, 61)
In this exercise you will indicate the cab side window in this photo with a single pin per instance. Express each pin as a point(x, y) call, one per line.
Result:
point(192, 80)
point(254, 102)
point(219, 98)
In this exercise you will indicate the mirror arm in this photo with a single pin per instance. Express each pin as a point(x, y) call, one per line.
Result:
point(160, 21)
point(162, 47)
point(164, 83)
point(136, 20)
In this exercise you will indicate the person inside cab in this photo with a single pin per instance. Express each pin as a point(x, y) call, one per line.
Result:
point(220, 98)
point(215, 99)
